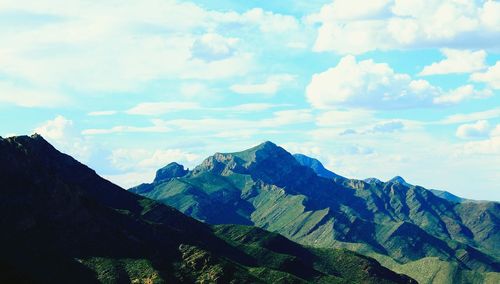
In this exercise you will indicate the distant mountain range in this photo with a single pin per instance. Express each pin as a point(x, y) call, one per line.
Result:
point(433, 236)
point(62, 223)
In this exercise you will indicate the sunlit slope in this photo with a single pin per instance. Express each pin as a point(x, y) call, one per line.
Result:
point(266, 186)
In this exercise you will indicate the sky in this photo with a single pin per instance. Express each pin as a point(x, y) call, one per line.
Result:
point(371, 88)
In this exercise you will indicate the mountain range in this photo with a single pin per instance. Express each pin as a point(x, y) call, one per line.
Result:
point(63, 223)
point(432, 236)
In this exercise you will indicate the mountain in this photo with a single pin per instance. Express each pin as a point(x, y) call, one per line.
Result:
point(316, 166)
point(62, 223)
point(395, 222)
point(448, 196)
point(321, 171)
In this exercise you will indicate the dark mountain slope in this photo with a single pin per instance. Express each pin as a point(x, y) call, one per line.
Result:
point(266, 186)
point(62, 223)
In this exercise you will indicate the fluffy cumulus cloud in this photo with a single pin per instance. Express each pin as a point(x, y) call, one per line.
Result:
point(491, 76)
point(457, 61)
point(120, 46)
point(489, 146)
point(376, 85)
point(61, 132)
point(360, 26)
point(269, 87)
point(55, 129)
point(460, 94)
point(478, 129)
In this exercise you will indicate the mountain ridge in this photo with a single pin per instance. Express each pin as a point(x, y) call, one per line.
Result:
point(62, 223)
point(267, 187)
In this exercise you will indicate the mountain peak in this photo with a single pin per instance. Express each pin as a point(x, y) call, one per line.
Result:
point(36, 136)
point(265, 146)
point(35, 141)
point(398, 179)
point(172, 170)
point(260, 151)
point(372, 180)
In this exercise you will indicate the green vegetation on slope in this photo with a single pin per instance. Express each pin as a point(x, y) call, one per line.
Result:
point(62, 223)
point(265, 186)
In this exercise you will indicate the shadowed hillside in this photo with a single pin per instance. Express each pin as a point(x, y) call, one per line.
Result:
point(62, 223)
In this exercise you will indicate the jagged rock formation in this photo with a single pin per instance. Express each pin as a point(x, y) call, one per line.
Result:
point(267, 187)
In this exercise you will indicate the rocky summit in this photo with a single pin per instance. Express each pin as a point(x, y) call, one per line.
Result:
point(402, 225)
point(62, 223)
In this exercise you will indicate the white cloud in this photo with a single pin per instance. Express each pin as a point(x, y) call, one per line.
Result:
point(483, 147)
point(194, 90)
point(496, 131)
point(211, 125)
point(416, 154)
point(337, 123)
point(137, 158)
point(270, 87)
point(157, 108)
point(55, 129)
point(254, 107)
point(102, 113)
point(479, 129)
point(354, 27)
point(490, 76)
point(156, 127)
point(382, 127)
point(131, 179)
point(139, 165)
point(353, 9)
point(362, 83)
point(489, 15)
point(489, 146)
point(457, 61)
point(374, 85)
point(213, 46)
point(287, 117)
point(238, 134)
point(388, 126)
point(61, 133)
point(460, 94)
point(122, 46)
point(30, 96)
point(268, 22)
point(474, 116)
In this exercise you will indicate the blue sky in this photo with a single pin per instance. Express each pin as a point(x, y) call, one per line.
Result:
point(372, 89)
